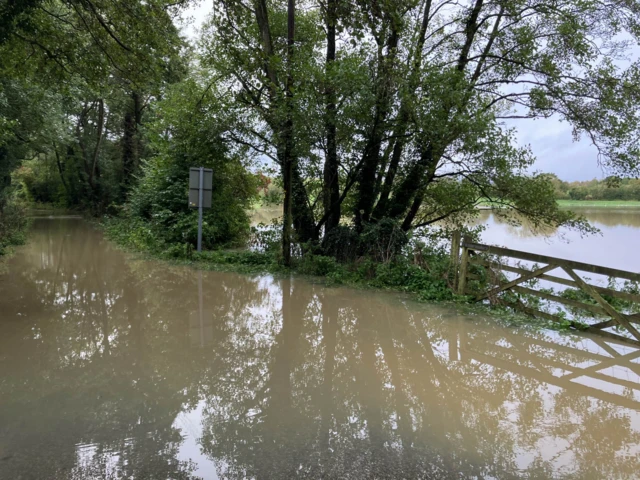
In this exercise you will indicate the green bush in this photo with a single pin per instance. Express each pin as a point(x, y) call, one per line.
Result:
point(183, 137)
point(342, 243)
point(402, 274)
point(317, 265)
point(383, 240)
point(13, 224)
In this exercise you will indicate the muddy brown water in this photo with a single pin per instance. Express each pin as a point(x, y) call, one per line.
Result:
point(615, 246)
point(117, 367)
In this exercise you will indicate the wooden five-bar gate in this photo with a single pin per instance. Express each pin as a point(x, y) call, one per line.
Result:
point(465, 253)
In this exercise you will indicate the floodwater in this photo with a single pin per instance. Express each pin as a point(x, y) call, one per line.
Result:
point(616, 245)
point(117, 367)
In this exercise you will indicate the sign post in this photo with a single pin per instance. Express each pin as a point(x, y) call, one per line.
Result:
point(200, 208)
point(200, 188)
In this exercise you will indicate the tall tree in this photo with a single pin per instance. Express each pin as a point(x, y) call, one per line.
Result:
point(331, 180)
point(405, 102)
point(288, 159)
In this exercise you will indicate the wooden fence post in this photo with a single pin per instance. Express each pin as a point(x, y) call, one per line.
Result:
point(455, 255)
point(464, 265)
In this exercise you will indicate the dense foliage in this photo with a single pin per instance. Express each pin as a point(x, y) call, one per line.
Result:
point(87, 89)
point(187, 132)
point(78, 78)
point(13, 226)
point(373, 116)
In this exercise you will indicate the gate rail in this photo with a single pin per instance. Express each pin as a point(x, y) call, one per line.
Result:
point(601, 307)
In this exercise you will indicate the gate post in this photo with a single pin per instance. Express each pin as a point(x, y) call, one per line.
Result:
point(464, 266)
point(455, 255)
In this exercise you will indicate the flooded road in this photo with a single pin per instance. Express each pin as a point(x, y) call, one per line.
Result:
point(116, 367)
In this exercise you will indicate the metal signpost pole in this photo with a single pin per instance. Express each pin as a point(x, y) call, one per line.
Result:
point(200, 208)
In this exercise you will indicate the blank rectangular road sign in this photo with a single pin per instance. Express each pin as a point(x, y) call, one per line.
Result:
point(194, 187)
point(194, 197)
point(194, 178)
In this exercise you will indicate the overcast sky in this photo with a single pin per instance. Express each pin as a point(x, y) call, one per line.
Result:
point(550, 140)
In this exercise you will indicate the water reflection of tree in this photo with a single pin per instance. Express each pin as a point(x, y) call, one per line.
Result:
point(346, 388)
point(603, 217)
point(298, 380)
point(611, 217)
point(99, 357)
point(80, 370)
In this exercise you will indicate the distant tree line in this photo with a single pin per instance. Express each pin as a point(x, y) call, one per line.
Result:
point(611, 188)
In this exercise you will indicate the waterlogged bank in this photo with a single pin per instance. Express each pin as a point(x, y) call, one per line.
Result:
point(116, 367)
point(427, 275)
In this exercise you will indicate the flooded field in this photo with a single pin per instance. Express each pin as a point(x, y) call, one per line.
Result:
point(116, 367)
point(616, 246)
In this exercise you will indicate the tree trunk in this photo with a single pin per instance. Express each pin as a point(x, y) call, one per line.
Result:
point(262, 19)
point(93, 171)
point(413, 211)
point(380, 210)
point(403, 118)
point(371, 156)
point(410, 193)
point(131, 140)
point(5, 179)
point(60, 170)
point(411, 184)
point(421, 188)
point(331, 187)
point(470, 30)
point(287, 134)
point(287, 217)
point(303, 219)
